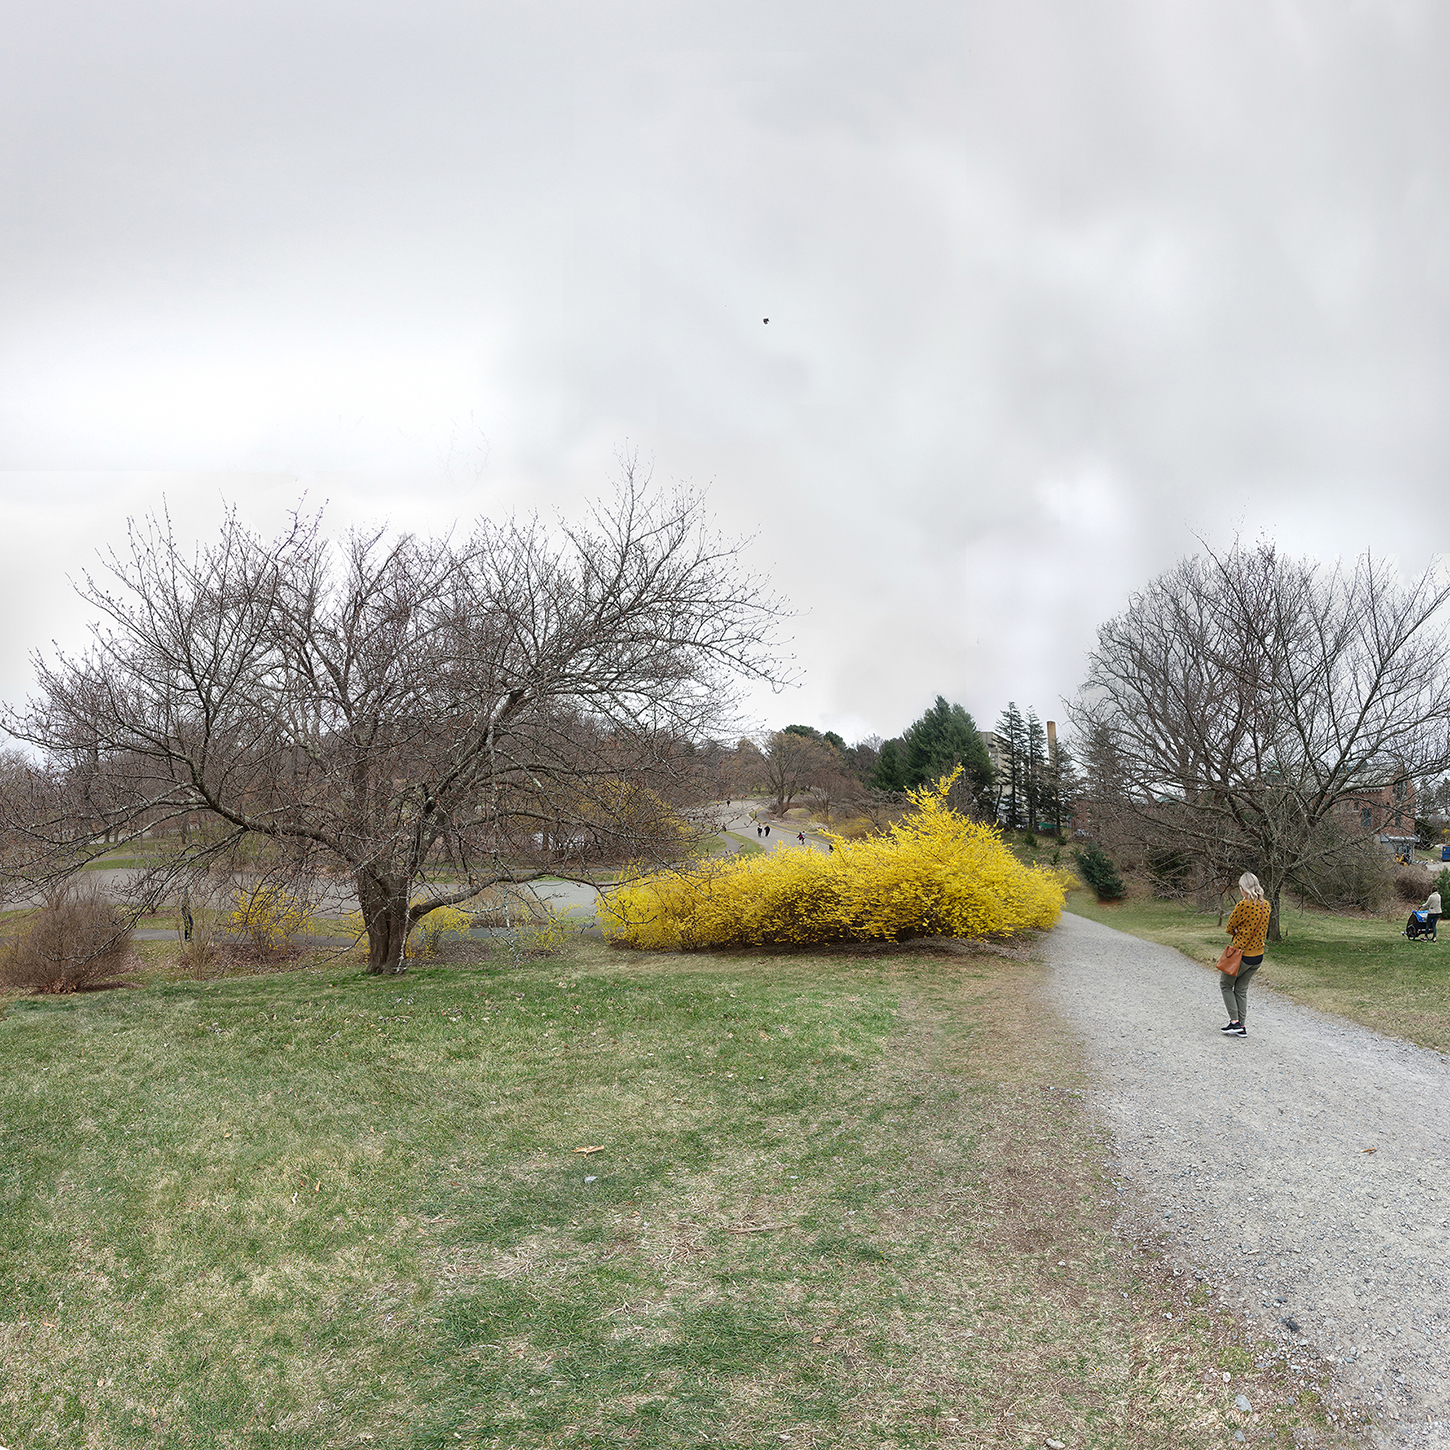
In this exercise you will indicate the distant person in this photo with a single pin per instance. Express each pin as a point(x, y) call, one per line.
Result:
point(757, 833)
point(801, 837)
point(1432, 905)
point(1248, 925)
point(767, 832)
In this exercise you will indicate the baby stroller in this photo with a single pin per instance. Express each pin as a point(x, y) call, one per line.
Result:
point(1420, 927)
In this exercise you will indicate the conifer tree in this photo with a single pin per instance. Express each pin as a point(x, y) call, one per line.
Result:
point(1011, 735)
point(890, 773)
point(943, 738)
point(1097, 869)
point(1034, 783)
point(1062, 787)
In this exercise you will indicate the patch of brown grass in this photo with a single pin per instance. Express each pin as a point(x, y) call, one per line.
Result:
point(1039, 1313)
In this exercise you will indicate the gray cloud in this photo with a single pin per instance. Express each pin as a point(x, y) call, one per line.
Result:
point(1052, 288)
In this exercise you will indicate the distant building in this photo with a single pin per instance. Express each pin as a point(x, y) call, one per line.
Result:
point(1387, 811)
point(995, 753)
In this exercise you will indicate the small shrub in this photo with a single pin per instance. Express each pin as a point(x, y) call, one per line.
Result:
point(507, 906)
point(202, 912)
point(441, 925)
point(200, 958)
point(269, 915)
point(540, 936)
point(71, 943)
point(1097, 869)
point(1412, 883)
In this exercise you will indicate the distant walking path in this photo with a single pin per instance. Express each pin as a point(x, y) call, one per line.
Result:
point(744, 816)
point(1251, 1155)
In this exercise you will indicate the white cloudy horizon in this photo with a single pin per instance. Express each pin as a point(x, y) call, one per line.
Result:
point(1054, 294)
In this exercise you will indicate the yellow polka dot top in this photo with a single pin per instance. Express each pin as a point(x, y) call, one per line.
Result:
point(1248, 924)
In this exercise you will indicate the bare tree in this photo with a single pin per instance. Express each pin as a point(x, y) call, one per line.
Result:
point(833, 788)
point(790, 763)
point(1243, 702)
point(416, 713)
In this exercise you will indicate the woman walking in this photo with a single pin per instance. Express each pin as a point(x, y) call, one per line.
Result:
point(1248, 925)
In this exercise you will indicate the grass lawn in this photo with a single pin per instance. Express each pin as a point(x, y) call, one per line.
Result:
point(826, 1200)
point(1359, 967)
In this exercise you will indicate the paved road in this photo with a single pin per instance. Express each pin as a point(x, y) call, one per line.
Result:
point(338, 897)
point(743, 816)
point(1250, 1154)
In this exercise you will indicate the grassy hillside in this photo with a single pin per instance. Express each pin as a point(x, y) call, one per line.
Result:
point(825, 1200)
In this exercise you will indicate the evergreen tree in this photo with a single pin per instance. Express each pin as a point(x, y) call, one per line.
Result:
point(1096, 868)
point(1034, 781)
point(1062, 788)
point(890, 772)
point(1012, 742)
point(945, 737)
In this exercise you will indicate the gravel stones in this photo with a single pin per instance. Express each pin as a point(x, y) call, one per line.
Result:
point(1257, 1147)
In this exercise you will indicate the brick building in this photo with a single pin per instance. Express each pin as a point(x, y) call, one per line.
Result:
point(1389, 810)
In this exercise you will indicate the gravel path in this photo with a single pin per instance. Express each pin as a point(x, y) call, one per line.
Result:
point(1249, 1154)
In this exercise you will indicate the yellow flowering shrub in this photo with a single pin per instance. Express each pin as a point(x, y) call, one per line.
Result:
point(537, 929)
point(933, 873)
point(269, 914)
point(443, 923)
point(853, 828)
point(542, 936)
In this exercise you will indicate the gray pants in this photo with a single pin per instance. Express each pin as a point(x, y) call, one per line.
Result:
point(1236, 991)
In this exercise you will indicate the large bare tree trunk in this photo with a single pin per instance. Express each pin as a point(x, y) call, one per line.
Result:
point(384, 901)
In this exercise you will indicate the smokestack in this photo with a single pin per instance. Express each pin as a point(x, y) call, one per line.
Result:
point(1052, 743)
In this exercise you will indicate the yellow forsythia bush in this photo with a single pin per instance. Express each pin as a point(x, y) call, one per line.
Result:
point(440, 924)
point(270, 914)
point(933, 873)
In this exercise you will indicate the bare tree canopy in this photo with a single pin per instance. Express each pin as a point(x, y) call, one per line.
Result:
point(1243, 701)
point(791, 763)
point(387, 706)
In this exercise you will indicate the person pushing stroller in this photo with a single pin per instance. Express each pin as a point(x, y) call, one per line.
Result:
point(1423, 920)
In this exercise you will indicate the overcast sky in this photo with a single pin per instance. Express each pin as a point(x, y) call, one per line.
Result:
point(1052, 288)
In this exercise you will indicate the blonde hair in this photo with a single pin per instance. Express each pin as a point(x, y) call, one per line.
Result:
point(1249, 885)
